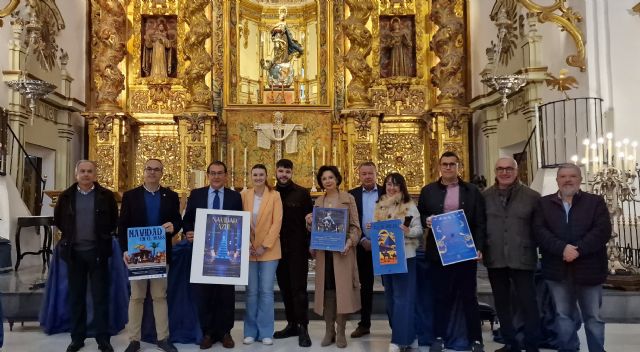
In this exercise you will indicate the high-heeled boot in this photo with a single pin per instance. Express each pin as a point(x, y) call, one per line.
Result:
point(341, 322)
point(329, 318)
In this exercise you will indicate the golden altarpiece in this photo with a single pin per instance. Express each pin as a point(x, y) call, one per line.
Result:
point(248, 81)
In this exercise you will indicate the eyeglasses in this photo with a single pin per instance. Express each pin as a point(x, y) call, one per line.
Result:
point(508, 170)
point(448, 165)
point(219, 173)
point(153, 169)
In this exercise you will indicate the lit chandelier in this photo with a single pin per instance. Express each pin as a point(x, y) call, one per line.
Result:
point(503, 84)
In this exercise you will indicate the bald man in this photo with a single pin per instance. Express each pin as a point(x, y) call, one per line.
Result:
point(510, 253)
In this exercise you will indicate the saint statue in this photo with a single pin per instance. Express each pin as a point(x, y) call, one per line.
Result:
point(285, 48)
point(158, 51)
point(398, 41)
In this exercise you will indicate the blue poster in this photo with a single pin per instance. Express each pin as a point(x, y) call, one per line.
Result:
point(222, 246)
point(387, 247)
point(453, 237)
point(147, 248)
point(329, 229)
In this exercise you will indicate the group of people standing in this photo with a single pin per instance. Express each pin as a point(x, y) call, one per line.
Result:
point(508, 223)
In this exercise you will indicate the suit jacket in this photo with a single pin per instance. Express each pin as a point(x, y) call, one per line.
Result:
point(357, 194)
point(198, 199)
point(133, 213)
point(267, 229)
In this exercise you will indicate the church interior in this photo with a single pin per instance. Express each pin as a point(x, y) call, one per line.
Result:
point(319, 82)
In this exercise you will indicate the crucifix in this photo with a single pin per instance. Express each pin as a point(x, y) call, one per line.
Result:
point(278, 132)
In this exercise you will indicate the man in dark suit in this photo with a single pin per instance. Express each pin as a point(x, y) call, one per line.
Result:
point(216, 302)
point(366, 196)
point(149, 205)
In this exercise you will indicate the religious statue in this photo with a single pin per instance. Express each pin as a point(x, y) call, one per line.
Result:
point(159, 43)
point(398, 46)
point(285, 49)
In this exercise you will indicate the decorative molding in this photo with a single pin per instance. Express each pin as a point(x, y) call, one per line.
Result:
point(567, 20)
point(195, 51)
point(355, 59)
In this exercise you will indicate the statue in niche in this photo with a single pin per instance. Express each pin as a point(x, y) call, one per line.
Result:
point(397, 58)
point(285, 49)
point(159, 39)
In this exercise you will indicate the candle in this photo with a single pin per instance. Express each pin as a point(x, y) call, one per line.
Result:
point(324, 161)
point(609, 149)
point(625, 143)
point(586, 156)
point(245, 159)
point(634, 144)
point(574, 159)
point(313, 159)
point(621, 156)
point(600, 152)
point(594, 158)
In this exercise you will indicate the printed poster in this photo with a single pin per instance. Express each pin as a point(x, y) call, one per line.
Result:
point(147, 248)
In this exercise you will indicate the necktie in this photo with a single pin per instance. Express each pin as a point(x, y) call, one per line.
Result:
point(216, 200)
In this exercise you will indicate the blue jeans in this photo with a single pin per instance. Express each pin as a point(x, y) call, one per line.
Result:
point(259, 315)
point(400, 298)
point(589, 298)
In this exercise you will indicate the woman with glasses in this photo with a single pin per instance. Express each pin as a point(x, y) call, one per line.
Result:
point(265, 206)
point(337, 284)
point(400, 289)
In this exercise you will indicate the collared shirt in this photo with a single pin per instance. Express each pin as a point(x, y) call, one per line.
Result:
point(566, 205)
point(452, 198)
point(212, 195)
point(369, 199)
point(84, 193)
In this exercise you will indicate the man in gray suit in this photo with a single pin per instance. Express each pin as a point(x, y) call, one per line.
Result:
point(510, 253)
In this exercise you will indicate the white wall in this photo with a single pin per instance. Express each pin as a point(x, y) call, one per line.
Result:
point(73, 40)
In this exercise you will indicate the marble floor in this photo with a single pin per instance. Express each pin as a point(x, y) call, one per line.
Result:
point(29, 338)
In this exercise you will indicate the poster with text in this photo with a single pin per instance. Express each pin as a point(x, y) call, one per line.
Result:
point(453, 237)
point(387, 247)
point(147, 248)
point(329, 229)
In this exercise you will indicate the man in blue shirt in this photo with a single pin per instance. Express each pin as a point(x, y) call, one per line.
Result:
point(149, 205)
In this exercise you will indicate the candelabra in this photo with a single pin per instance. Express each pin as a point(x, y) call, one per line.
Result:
point(503, 84)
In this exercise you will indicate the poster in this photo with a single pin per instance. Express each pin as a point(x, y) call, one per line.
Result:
point(387, 247)
point(147, 248)
point(453, 237)
point(221, 247)
point(329, 229)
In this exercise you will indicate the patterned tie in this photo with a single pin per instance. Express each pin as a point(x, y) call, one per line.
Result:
point(216, 200)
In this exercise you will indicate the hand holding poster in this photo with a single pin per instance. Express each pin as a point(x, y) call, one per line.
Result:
point(453, 237)
point(147, 249)
point(387, 248)
point(329, 229)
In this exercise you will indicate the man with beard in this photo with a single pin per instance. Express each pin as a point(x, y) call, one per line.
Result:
point(293, 267)
point(572, 228)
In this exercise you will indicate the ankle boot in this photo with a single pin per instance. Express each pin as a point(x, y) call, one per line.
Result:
point(341, 339)
point(329, 318)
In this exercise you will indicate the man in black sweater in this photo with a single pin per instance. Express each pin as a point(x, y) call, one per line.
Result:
point(293, 267)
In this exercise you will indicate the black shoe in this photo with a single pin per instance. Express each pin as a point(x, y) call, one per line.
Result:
point(288, 331)
point(477, 347)
point(134, 346)
point(359, 332)
point(437, 345)
point(105, 347)
point(303, 336)
point(75, 346)
point(532, 349)
point(166, 346)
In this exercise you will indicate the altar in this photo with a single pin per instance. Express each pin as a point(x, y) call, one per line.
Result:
point(188, 81)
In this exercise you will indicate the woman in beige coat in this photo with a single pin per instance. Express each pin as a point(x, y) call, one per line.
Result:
point(337, 287)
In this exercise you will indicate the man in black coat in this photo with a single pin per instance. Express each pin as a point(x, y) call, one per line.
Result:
point(87, 215)
point(447, 194)
point(366, 196)
point(149, 205)
point(572, 228)
point(216, 302)
point(293, 267)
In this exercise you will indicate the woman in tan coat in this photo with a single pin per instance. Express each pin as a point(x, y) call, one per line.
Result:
point(265, 206)
point(337, 287)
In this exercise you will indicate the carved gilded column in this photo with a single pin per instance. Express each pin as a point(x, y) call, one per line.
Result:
point(451, 131)
point(355, 60)
point(108, 50)
point(196, 131)
point(197, 56)
point(108, 133)
point(362, 131)
point(217, 50)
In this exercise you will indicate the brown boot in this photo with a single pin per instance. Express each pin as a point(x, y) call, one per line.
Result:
point(341, 339)
point(329, 318)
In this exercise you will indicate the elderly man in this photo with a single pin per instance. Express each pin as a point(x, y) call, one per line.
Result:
point(510, 253)
point(572, 228)
point(87, 215)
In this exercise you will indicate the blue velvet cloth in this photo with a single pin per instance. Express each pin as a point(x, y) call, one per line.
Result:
point(54, 314)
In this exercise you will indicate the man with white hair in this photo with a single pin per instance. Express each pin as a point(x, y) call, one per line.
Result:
point(510, 254)
point(572, 228)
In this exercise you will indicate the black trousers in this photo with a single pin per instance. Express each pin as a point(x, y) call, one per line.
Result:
point(216, 309)
point(451, 282)
point(365, 273)
point(292, 272)
point(505, 282)
point(84, 268)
